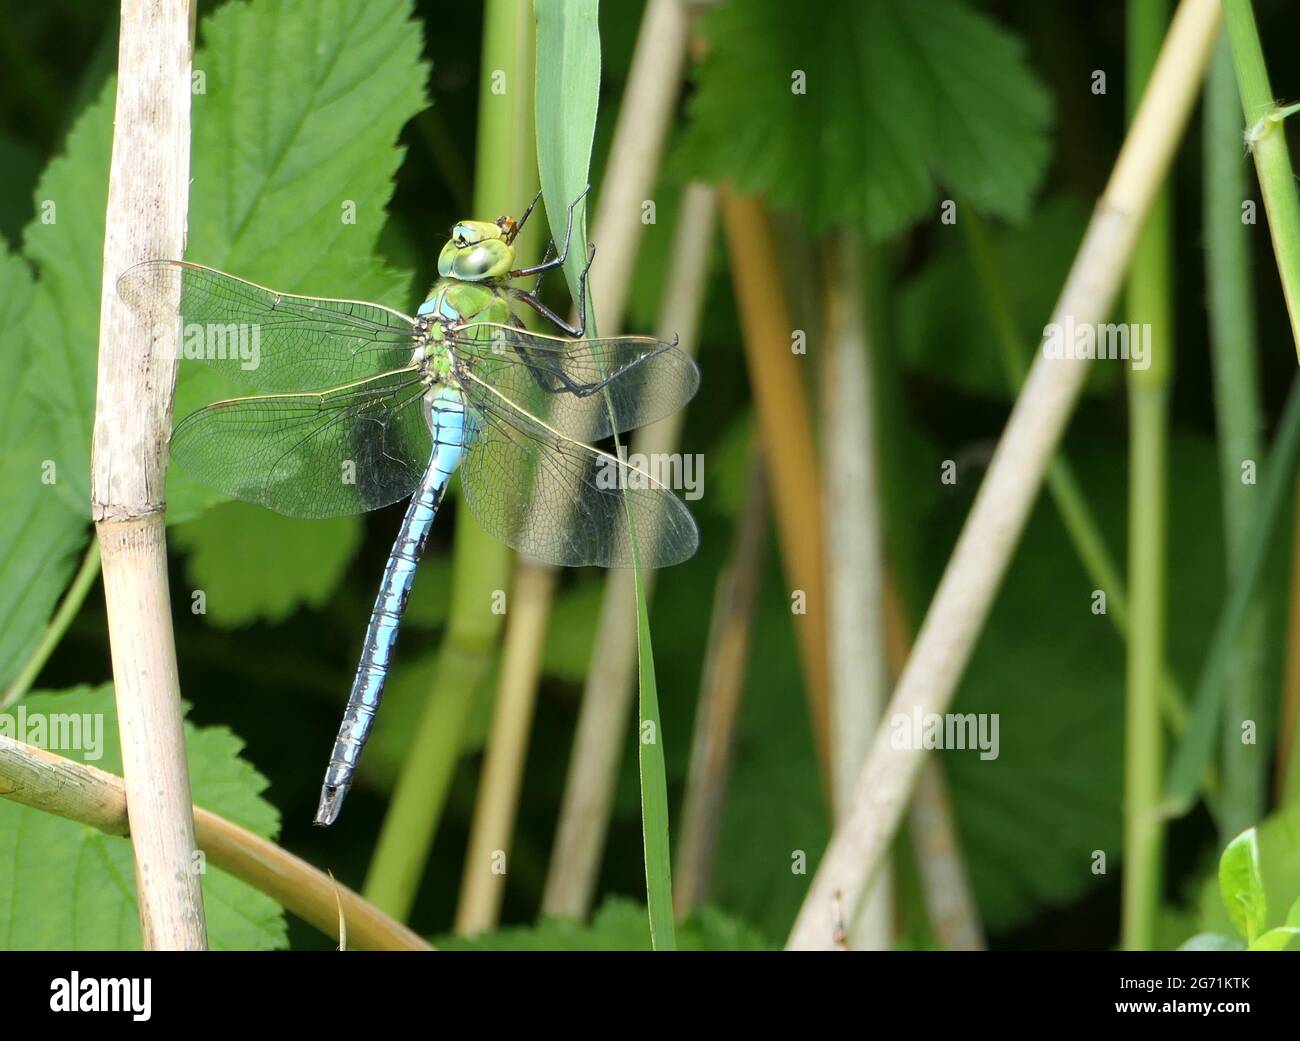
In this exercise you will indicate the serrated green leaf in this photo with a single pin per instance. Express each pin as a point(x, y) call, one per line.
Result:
point(66, 886)
point(41, 536)
point(252, 564)
point(20, 165)
point(66, 243)
point(295, 141)
point(619, 925)
point(893, 98)
point(1241, 887)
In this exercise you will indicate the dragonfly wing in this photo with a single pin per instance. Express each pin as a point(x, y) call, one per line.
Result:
point(326, 454)
point(273, 341)
point(560, 501)
point(584, 389)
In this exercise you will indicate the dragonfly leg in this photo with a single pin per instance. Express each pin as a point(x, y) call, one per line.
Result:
point(519, 225)
point(558, 261)
point(546, 257)
point(545, 312)
point(549, 380)
point(576, 330)
point(582, 293)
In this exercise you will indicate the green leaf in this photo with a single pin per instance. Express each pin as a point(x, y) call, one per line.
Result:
point(41, 535)
point(1241, 887)
point(66, 886)
point(253, 564)
point(567, 96)
point(295, 143)
point(20, 165)
point(1278, 939)
point(896, 95)
point(1278, 859)
point(66, 243)
point(619, 925)
point(294, 154)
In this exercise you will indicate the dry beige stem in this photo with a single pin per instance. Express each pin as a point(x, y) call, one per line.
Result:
point(49, 783)
point(147, 204)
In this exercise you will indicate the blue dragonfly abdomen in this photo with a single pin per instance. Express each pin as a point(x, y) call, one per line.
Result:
point(445, 408)
point(462, 305)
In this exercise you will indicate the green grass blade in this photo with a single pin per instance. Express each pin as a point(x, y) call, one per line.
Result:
point(568, 93)
point(1230, 295)
point(1197, 744)
point(568, 90)
point(654, 785)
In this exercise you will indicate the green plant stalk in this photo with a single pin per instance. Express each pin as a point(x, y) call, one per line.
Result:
point(1196, 745)
point(58, 625)
point(1143, 744)
point(1266, 139)
point(1234, 349)
point(1149, 303)
point(505, 178)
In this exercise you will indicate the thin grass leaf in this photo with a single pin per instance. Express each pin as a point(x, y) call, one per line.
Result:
point(1197, 745)
point(568, 93)
point(568, 89)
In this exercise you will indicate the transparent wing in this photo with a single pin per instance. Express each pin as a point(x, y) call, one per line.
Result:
point(324, 454)
point(272, 341)
point(560, 501)
point(584, 389)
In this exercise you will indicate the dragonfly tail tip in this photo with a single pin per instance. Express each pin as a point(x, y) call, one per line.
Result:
point(331, 803)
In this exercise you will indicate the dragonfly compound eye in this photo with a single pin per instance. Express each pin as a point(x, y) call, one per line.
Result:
point(490, 259)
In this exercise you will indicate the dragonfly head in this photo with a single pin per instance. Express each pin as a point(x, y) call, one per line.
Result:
point(478, 251)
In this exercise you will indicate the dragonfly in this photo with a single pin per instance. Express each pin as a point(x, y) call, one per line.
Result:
point(360, 406)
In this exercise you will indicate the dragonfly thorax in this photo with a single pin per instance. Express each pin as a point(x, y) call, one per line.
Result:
point(453, 311)
point(456, 305)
